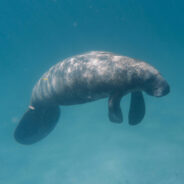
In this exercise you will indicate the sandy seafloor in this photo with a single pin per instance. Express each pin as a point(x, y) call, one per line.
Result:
point(85, 147)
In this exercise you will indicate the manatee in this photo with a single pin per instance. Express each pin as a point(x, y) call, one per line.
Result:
point(85, 78)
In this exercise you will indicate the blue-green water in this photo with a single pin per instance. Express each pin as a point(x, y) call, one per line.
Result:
point(85, 147)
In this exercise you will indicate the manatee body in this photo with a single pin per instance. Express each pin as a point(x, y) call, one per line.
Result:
point(85, 78)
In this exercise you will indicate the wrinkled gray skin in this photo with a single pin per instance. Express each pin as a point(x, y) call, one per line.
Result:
point(85, 78)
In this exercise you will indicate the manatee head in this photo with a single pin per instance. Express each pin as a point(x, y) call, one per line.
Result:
point(154, 84)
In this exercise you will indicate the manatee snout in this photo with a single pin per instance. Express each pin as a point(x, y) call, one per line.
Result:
point(162, 89)
point(157, 86)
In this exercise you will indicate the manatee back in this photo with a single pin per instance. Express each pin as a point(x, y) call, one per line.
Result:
point(83, 78)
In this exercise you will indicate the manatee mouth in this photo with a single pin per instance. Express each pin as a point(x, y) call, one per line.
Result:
point(159, 92)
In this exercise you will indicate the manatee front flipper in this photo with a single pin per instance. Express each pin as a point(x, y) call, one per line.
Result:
point(137, 108)
point(36, 124)
point(115, 114)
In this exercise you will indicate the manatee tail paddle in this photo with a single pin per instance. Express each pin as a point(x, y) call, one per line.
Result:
point(36, 124)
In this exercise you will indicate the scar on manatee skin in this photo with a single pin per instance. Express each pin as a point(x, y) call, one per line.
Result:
point(31, 107)
point(45, 78)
